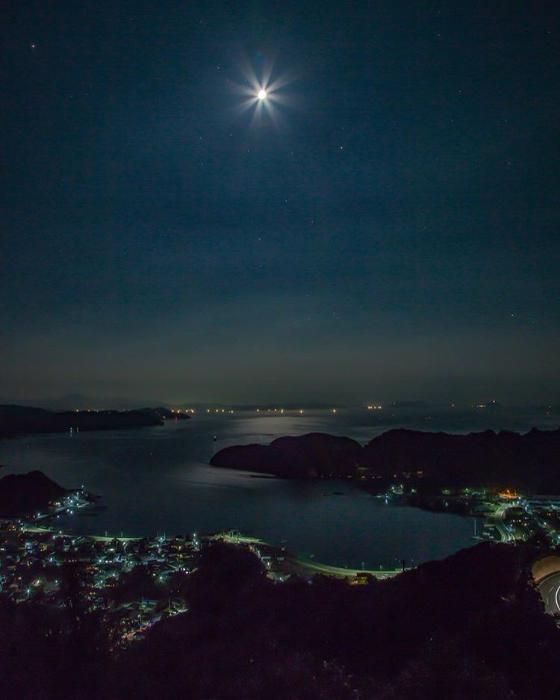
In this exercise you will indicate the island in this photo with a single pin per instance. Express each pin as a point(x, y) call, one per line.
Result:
point(488, 459)
point(313, 455)
point(18, 420)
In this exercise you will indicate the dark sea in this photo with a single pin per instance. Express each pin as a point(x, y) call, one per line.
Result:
point(158, 481)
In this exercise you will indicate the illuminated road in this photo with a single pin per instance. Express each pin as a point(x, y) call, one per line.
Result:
point(304, 567)
point(497, 520)
point(549, 588)
point(234, 538)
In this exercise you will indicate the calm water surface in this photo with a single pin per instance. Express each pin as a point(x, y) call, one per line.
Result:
point(157, 480)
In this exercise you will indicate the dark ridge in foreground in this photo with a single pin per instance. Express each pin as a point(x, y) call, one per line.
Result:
point(22, 494)
point(470, 626)
point(488, 459)
point(18, 420)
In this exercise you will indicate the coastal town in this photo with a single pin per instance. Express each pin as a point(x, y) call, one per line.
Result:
point(133, 583)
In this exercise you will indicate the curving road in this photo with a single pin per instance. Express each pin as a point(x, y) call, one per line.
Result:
point(302, 567)
point(549, 588)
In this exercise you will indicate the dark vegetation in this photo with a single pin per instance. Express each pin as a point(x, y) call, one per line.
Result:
point(18, 420)
point(471, 626)
point(487, 459)
point(307, 456)
point(22, 494)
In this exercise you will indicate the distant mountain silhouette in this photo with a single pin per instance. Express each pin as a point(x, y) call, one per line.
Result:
point(71, 402)
point(477, 459)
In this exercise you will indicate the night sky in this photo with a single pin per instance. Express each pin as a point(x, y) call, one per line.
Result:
point(384, 225)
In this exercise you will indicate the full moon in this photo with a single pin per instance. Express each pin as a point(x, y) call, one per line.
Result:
point(262, 94)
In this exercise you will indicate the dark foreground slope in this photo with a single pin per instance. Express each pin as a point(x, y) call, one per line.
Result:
point(487, 458)
point(22, 494)
point(17, 420)
point(471, 626)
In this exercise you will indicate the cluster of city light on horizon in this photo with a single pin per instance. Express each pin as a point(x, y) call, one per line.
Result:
point(179, 409)
point(280, 411)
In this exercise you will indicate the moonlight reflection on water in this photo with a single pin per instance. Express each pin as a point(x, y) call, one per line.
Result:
point(157, 480)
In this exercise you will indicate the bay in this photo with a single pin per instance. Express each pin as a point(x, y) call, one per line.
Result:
point(158, 480)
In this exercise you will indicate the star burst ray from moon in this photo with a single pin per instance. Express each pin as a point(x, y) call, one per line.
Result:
point(261, 94)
